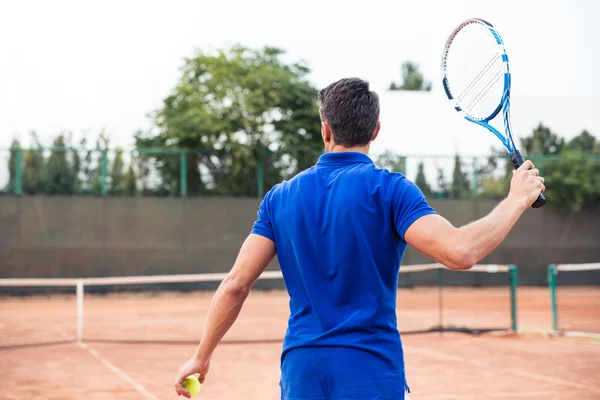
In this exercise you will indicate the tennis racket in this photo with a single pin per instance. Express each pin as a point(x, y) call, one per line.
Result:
point(476, 79)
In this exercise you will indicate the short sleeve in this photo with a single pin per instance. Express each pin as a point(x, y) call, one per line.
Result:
point(263, 225)
point(409, 204)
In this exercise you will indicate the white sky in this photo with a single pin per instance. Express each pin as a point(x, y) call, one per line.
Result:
point(86, 66)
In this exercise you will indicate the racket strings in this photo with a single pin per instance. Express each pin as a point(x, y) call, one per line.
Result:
point(465, 61)
point(474, 68)
point(466, 77)
point(485, 71)
point(479, 80)
point(482, 72)
point(484, 91)
point(462, 48)
point(477, 65)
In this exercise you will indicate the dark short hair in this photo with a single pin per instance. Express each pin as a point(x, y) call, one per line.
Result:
point(351, 110)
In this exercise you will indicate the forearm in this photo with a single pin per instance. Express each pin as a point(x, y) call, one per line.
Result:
point(223, 311)
point(477, 239)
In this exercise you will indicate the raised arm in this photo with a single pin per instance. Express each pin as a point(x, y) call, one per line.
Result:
point(461, 248)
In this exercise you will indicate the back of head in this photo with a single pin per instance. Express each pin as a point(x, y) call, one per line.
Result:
point(351, 110)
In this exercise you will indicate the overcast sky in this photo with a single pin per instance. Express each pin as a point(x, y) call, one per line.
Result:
point(86, 66)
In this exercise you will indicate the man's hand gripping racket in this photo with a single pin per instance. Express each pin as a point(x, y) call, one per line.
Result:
point(476, 80)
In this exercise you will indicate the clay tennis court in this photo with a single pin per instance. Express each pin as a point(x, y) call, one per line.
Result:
point(126, 355)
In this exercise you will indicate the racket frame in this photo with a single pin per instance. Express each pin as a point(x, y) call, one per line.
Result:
point(504, 104)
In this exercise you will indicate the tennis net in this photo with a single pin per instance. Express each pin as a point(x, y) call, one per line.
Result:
point(173, 308)
point(575, 299)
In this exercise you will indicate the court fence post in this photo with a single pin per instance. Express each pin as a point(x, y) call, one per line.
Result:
point(79, 294)
point(183, 173)
point(552, 271)
point(104, 173)
point(514, 282)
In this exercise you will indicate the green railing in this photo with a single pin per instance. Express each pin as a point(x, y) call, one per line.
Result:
point(182, 172)
point(93, 171)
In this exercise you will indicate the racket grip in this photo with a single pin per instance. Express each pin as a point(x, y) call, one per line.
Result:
point(517, 160)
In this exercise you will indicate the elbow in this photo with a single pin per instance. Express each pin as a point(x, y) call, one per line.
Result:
point(235, 287)
point(462, 259)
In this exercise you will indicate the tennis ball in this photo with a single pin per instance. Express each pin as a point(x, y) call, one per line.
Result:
point(192, 384)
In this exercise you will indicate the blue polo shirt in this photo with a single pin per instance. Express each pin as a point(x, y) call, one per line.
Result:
point(339, 232)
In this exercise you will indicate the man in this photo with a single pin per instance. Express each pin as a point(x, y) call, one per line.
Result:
point(340, 229)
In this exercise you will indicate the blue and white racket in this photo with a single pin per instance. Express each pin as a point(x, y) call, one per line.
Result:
point(476, 79)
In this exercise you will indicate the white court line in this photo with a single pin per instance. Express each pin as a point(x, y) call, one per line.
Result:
point(525, 374)
point(142, 390)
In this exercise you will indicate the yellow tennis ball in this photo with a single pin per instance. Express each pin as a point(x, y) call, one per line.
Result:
point(192, 384)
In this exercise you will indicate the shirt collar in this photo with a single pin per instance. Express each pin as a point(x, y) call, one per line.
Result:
point(344, 157)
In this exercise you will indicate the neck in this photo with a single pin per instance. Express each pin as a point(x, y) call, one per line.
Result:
point(338, 148)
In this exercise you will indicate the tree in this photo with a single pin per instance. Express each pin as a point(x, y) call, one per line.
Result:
point(460, 183)
point(131, 179)
point(443, 190)
point(91, 166)
point(573, 182)
point(391, 161)
point(542, 141)
point(34, 167)
point(117, 175)
point(584, 142)
point(12, 169)
point(493, 176)
point(60, 176)
point(412, 79)
point(233, 106)
point(421, 181)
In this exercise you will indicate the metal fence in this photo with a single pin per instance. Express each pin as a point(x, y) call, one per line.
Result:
point(189, 173)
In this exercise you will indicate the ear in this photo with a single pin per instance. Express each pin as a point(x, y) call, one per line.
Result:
point(326, 132)
point(376, 131)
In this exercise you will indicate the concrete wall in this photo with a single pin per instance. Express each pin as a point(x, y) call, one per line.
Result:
point(82, 237)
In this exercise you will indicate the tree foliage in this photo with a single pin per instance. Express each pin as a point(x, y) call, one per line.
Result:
point(443, 188)
point(584, 143)
point(412, 79)
point(571, 169)
point(573, 182)
point(542, 141)
point(421, 181)
point(233, 107)
point(391, 161)
point(493, 175)
point(65, 168)
point(60, 174)
point(460, 186)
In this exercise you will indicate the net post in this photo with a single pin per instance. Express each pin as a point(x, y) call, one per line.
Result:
point(552, 271)
point(79, 295)
point(514, 282)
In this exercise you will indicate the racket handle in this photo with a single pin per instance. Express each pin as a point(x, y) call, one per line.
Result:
point(517, 160)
